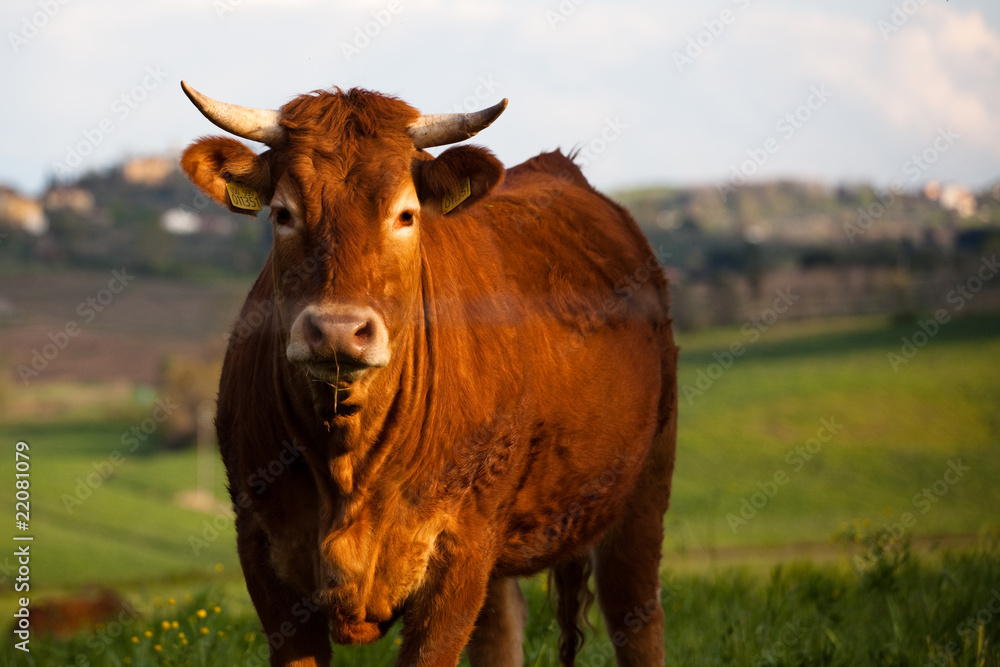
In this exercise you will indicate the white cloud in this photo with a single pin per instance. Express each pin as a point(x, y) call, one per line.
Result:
point(941, 67)
point(603, 61)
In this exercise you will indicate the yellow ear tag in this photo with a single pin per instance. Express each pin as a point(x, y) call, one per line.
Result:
point(243, 197)
point(453, 199)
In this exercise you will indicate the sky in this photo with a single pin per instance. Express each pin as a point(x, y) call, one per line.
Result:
point(896, 92)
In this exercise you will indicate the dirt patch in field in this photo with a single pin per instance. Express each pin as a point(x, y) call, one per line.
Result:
point(89, 326)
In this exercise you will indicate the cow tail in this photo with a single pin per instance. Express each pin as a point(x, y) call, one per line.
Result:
point(574, 600)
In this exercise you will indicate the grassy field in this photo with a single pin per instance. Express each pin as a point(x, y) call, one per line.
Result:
point(818, 407)
point(896, 610)
point(809, 433)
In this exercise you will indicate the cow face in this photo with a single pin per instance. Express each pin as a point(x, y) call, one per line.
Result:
point(357, 222)
point(349, 188)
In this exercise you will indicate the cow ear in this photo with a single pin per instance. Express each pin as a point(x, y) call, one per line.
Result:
point(211, 162)
point(456, 178)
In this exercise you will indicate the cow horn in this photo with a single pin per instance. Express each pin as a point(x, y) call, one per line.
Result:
point(449, 128)
point(256, 124)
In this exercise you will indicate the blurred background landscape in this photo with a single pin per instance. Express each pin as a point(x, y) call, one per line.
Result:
point(833, 267)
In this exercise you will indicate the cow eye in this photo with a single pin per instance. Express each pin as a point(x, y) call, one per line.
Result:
point(405, 219)
point(282, 216)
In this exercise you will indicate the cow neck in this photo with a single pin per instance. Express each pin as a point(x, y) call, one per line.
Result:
point(350, 453)
point(411, 414)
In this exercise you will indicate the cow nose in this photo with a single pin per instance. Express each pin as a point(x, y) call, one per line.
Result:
point(349, 336)
point(342, 335)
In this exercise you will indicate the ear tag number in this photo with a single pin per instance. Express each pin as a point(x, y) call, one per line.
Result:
point(243, 197)
point(453, 199)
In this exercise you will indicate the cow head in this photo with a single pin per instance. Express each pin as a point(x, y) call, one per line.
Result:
point(349, 186)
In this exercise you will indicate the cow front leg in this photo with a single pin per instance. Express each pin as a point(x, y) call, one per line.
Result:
point(440, 617)
point(498, 639)
point(297, 633)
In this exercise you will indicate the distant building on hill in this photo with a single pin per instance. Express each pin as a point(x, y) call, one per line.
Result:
point(952, 197)
point(75, 199)
point(185, 221)
point(960, 199)
point(180, 221)
point(148, 170)
point(22, 212)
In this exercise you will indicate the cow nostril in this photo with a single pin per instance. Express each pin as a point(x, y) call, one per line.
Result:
point(313, 334)
point(364, 333)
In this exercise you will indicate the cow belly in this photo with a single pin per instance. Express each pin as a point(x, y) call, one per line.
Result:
point(597, 416)
point(546, 529)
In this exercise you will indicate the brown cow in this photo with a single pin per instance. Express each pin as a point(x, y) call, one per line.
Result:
point(418, 406)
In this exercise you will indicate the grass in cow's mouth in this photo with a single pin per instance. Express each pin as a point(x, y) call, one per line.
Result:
point(337, 382)
point(333, 385)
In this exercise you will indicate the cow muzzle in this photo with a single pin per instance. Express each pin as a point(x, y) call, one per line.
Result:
point(338, 343)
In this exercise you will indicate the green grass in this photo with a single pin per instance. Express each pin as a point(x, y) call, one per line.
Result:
point(896, 434)
point(898, 609)
point(102, 514)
